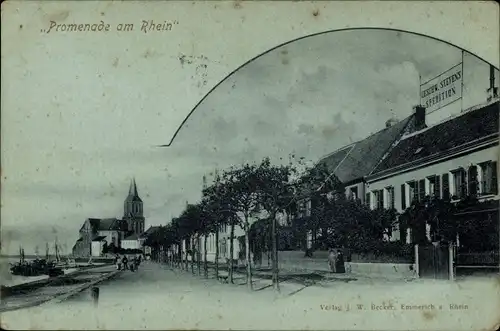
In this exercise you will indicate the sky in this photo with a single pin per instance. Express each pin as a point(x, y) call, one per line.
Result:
point(73, 138)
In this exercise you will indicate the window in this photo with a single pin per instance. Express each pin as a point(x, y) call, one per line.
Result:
point(379, 199)
point(308, 206)
point(368, 200)
point(353, 193)
point(472, 180)
point(459, 183)
point(412, 192)
point(434, 188)
point(389, 200)
point(446, 186)
point(489, 184)
point(403, 196)
point(421, 190)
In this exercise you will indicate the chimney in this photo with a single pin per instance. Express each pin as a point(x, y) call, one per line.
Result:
point(492, 90)
point(419, 117)
point(390, 122)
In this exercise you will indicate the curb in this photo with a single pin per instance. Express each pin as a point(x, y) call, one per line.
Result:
point(65, 296)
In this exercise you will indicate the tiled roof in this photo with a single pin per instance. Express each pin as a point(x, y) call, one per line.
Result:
point(359, 159)
point(132, 237)
point(94, 223)
point(107, 224)
point(458, 131)
point(151, 230)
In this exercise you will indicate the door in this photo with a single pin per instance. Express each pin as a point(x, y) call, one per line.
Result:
point(433, 261)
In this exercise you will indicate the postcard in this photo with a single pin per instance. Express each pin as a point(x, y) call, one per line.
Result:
point(250, 165)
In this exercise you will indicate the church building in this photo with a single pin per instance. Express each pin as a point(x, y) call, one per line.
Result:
point(133, 211)
point(95, 233)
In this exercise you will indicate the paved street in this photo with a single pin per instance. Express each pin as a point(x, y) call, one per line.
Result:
point(157, 297)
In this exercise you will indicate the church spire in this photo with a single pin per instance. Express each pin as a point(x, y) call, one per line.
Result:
point(132, 191)
point(135, 189)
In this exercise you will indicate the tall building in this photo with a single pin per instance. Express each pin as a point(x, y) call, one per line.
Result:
point(133, 210)
point(122, 233)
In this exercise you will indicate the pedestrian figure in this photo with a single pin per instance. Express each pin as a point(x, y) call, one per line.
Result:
point(136, 262)
point(332, 260)
point(340, 267)
point(125, 262)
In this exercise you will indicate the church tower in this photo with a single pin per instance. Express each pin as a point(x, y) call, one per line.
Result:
point(133, 210)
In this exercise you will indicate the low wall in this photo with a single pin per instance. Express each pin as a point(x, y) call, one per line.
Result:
point(395, 269)
point(297, 261)
point(385, 270)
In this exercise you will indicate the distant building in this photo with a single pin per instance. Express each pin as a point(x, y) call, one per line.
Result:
point(144, 237)
point(133, 210)
point(98, 245)
point(97, 232)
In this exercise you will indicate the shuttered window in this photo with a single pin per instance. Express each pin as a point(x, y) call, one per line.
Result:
point(446, 186)
point(437, 187)
point(421, 190)
point(460, 183)
point(403, 196)
point(390, 197)
point(489, 178)
point(494, 178)
point(472, 182)
point(412, 192)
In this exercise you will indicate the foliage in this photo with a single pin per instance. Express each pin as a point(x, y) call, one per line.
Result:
point(479, 230)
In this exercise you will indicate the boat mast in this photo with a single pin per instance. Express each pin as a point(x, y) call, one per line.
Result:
point(46, 251)
point(58, 253)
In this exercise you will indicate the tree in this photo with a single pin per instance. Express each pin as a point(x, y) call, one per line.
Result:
point(432, 212)
point(240, 190)
point(190, 220)
point(212, 217)
point(318, 188)
point(274, 195)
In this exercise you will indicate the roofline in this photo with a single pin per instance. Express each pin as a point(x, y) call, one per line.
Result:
point(450, 118)
point(464, 149)
point(394, 143)
point(338, 150)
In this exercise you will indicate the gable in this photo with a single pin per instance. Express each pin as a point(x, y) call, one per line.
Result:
point(358, 160)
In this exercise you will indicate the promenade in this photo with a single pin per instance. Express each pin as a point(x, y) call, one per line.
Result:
point(159, 297)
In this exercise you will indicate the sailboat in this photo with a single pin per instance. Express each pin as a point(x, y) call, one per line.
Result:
point(27, 268)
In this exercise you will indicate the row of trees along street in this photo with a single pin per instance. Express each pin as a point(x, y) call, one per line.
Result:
point(255, 196)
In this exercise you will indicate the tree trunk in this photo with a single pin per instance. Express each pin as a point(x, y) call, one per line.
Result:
point(192, 255)
point(247, 255)
point(186, 253)
point(275, 254)
point(205, 262)
point(179, 256)
point(269, 249)
point(198, 254)
point(231, 252)
point(217, 252)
